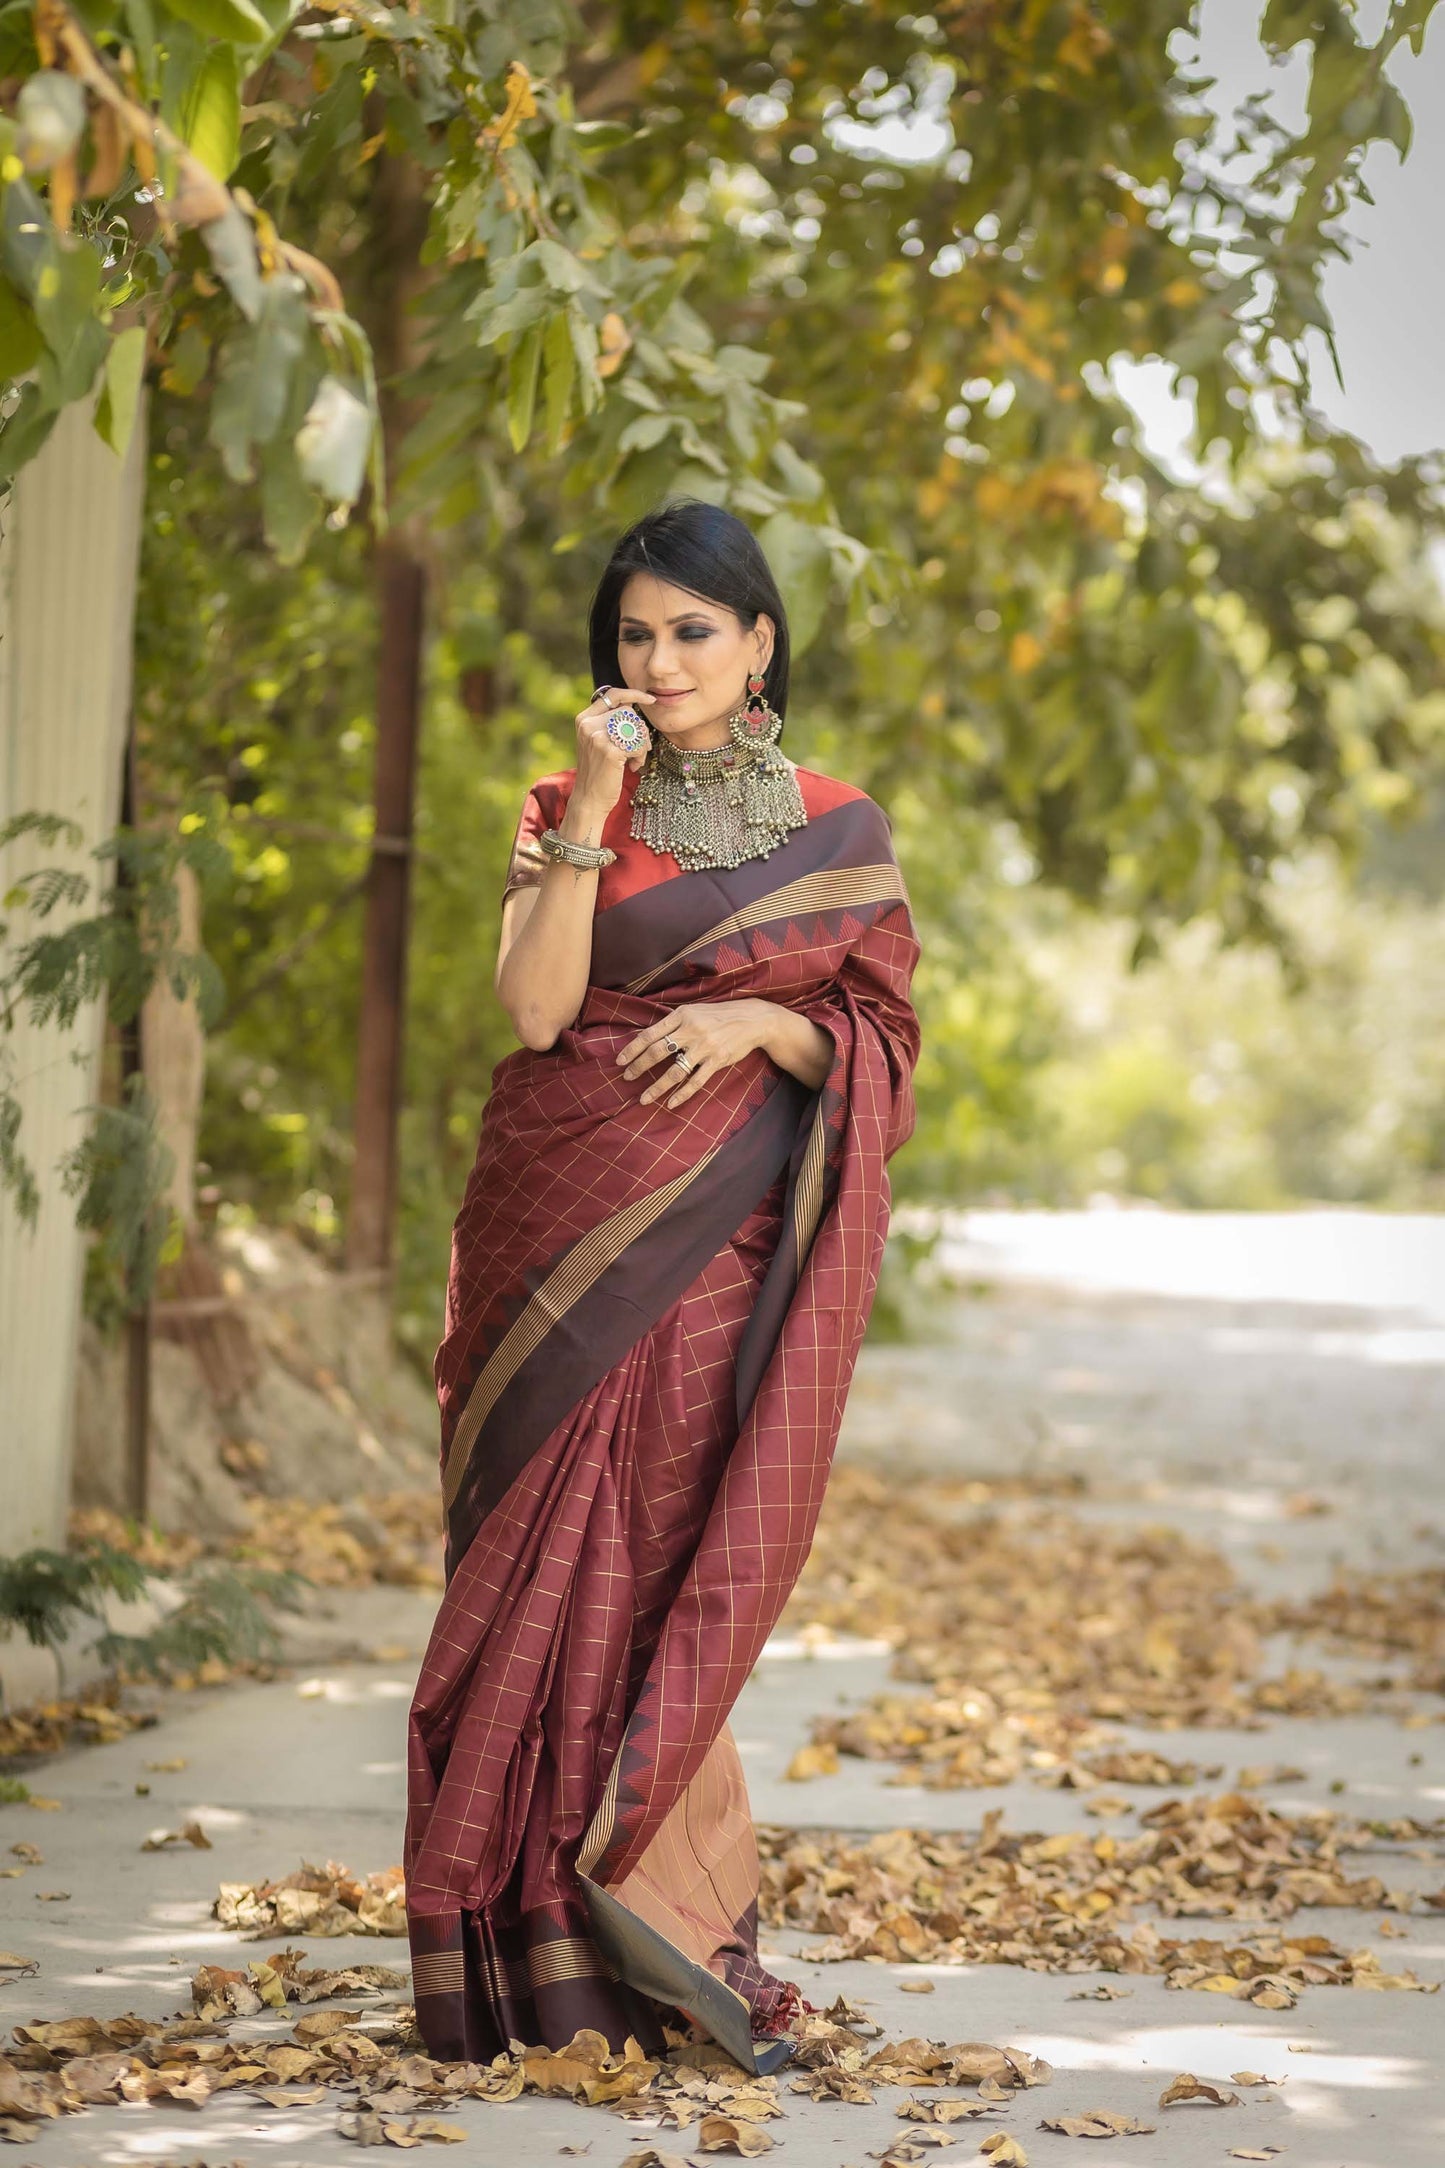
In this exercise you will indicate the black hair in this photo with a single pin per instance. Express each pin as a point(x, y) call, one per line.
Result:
point(710, 552)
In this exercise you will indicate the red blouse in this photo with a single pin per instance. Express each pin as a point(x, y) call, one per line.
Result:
point(637, 865)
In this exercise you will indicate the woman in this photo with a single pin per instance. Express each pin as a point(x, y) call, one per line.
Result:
point(661, 1272)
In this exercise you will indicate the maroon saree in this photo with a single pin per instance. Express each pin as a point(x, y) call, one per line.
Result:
point(652, 1320)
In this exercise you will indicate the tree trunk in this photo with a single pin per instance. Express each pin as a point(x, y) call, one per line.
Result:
point(138, 1322)
point(173, 1057)
point(398, 221)
point(401, 599)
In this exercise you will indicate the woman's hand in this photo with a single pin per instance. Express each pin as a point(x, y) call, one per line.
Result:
point(716, 1034)
point(601, 765)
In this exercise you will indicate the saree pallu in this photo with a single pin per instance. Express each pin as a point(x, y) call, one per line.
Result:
point(652, 1321)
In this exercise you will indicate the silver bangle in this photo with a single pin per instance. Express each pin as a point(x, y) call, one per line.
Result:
point(586, 857)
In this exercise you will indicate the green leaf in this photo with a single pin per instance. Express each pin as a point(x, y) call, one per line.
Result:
point(211, 118)
point(517, 311)
point(20, 340)
point(290, 511)
point(97, 15)
point(643, 431)
point(67, 288)
point(140, 23)
point(803, 566)
point(120, 394)
point(1341, 67)
point(559, 370)
point(1285, 22)
point(585, 347)
point(1392, 119)
point(603, 135)
point(28, 241)
point(26, 430)
point(799, 479)
point(334, 119)
point(186, 360)
point(232, 247)
point(522, 368)
point(237, 21)
point(254, 380)
point(565, 273)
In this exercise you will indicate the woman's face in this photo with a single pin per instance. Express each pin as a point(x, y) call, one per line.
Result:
point(694, 654)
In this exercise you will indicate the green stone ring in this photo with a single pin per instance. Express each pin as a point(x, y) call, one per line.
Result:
point(627, 730)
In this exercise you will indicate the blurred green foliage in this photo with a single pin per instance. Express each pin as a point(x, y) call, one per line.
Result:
point(1052, 1068)
point(1082, 681)
point(1219, 1079)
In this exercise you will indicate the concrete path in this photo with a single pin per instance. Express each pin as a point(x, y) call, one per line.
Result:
point(1168, 1419)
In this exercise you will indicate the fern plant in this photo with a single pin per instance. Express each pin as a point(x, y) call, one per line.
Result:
point(224, 1612)
point(120, 949)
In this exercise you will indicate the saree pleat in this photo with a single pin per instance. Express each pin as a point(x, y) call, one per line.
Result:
point(546, 1632)
point(652, 1322)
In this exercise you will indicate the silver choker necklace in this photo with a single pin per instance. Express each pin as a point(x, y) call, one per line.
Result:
point(718, 805)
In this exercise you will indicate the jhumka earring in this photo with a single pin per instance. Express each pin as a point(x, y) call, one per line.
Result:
point(755, 724)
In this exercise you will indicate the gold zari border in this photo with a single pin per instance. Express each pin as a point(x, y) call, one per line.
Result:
point(831, 890)
point(565, 1285)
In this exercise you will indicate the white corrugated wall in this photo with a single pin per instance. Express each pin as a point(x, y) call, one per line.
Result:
point(68, 550)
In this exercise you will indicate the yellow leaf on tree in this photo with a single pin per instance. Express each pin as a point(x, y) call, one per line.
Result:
point(521, 105)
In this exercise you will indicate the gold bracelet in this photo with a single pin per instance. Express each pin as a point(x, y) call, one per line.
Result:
point(586, 857)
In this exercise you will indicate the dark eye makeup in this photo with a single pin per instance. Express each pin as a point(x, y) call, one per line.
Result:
point(699, 630)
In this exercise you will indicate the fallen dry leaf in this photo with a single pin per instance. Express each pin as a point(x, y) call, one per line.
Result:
point(320, 1901)
point(1078, 1902)
point(1252, 2077)
point(176, 1763)
point(727, 2134)
point(1187, 2087)
point(1033, 1629)
point(913, 2145)
point(1004, 2151)
point(835, 2084)
point(1250, 2152)
point(916, 1987)
point(30, 1853)
point(323, 2025)
point(1097, 2123)
point(941, 2111)
point(162, 1840)
point(368, 2127)
point(812, 1761)
point(392, 1539)
point(53, 1896)
point(1142, 1766)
